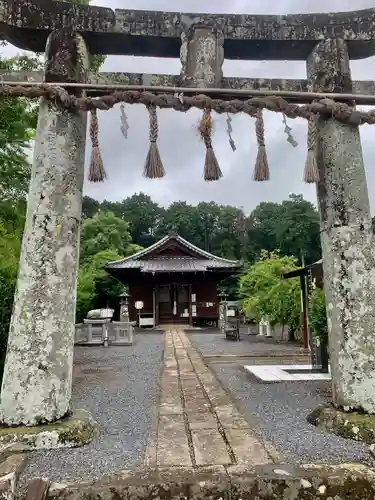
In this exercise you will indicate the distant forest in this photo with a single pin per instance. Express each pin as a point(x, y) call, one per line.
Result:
point(292, 227)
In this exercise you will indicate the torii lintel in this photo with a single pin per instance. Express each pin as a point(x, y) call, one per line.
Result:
point(27, 23)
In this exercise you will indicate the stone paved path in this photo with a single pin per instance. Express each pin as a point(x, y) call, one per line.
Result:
point(197, 423)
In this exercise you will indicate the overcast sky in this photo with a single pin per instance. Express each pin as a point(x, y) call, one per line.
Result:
point(181, 149)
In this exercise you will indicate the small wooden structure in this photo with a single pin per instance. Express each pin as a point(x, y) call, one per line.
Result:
point(319, 353)
point(176, 282)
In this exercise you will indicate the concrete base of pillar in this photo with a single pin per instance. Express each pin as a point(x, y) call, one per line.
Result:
point(71, 432)
point(349, 425)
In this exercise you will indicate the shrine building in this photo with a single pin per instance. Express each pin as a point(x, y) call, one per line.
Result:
point(173, 282)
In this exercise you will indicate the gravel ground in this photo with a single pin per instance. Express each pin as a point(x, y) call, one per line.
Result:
point(214, 344)
point(279, 411)
point(119, 385)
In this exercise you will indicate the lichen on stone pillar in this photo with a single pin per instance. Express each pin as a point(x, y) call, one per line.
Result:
point(348, 246)
point(202, 57)
point(37, 377)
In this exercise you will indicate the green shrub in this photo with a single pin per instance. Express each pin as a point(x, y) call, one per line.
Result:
point(318, 316)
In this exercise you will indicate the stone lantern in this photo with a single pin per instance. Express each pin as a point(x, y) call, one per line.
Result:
point(124, 307)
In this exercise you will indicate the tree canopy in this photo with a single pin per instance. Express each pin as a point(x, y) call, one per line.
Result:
point(292, 226)
point(265, 294)
point(104, 238)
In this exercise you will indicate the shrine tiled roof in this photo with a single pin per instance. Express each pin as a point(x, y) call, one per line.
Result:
point(149, 261)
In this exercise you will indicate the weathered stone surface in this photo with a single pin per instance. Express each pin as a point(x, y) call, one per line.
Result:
point(246, 447)
point(202, 420)
point(275, 35)
point(354, 425)
point(37, 378)
point(172, 446)
point(10, 469)
point(71, 432)
point(347, 239)
point(198, 423)
point(209, 447)
point(202, 57)
point(12, 464)
point(323, 482)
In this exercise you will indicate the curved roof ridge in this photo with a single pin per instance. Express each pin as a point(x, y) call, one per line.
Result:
point(203, 252)
point(161, 242)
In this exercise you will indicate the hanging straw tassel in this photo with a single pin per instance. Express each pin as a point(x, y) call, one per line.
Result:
point(212, 171)
point(311, 173)
point(154, 166)
point(97, 172)
point(261, 170)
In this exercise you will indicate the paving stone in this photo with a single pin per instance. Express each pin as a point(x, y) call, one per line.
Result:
point(231, 418)
point(172, 401)
point(202, 420)
point(173, 446)
point(185, 371)
point(196, 405)
point(209, 447)
point(171, 409)
point(247, 448)
point(150, 459)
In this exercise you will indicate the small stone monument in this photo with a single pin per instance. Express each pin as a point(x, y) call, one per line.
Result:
point(265, 328)
point(124, 307)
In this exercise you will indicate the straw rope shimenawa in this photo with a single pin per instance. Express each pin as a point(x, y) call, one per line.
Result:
point(212, 171)
point(324, 108)
point(154, 166)
point(261, 170)
point(327, 108)
point(311, 173)
point(97, 172)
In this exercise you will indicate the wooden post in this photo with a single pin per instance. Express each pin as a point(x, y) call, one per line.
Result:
point(157, 294)
point(304, 312)
point(190, 305)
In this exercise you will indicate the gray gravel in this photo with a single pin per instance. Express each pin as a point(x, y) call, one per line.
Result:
point(214, 344)
point(279, 411)
point(120, 386)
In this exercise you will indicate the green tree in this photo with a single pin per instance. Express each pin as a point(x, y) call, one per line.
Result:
point(96, 287)
point(298, 229)
point(230, 235)
point(90, 207)
point(318, 315)
point(17, 128)
point(265, 293)
point(144, 217)
point(9, 256)
point(262, 229)
point(105, 231)
point(104, 238)
point(291, 227)
point(181, 218)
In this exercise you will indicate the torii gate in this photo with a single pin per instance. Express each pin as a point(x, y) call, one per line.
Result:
point(38, 370)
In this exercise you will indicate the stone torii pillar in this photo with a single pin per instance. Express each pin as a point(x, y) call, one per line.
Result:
point(347, 239)
point(37, 380)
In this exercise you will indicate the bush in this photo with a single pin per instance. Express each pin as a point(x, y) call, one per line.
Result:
point(266, 294)
point(318, 316)
point(9, 255)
